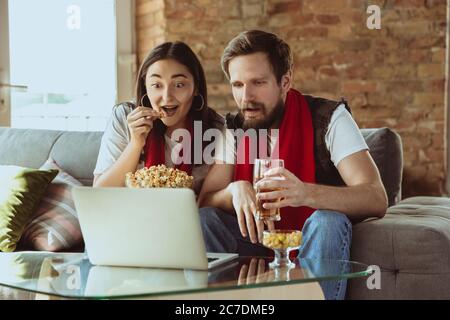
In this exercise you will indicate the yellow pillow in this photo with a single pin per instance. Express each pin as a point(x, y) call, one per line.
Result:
point(21, 189)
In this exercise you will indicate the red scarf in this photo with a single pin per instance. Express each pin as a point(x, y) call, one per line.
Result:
point(296, 148)
point(155, 153)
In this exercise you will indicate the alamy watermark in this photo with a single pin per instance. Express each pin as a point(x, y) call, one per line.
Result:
point(208, 144)
point(74, 279)
point(73, 21)
point(374, 20)
point(374, 280)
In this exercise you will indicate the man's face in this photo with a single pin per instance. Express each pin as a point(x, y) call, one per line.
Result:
point(260, 98)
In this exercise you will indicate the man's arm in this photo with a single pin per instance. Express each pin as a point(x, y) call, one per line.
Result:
point(363, 197)
point(215, 191)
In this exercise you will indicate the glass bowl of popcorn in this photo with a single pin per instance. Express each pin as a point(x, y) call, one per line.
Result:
point(282, 242)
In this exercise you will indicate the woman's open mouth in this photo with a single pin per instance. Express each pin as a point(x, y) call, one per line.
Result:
point(169, 111)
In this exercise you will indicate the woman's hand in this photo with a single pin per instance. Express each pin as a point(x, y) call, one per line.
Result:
point(290, 189)
point(140, 123)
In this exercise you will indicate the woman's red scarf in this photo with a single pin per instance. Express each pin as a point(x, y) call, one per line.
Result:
point(296, 148)
point(155, 150)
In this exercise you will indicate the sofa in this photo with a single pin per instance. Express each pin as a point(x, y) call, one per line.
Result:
point(411, 244)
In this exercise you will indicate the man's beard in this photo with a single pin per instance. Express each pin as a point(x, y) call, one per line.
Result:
point(268, 120)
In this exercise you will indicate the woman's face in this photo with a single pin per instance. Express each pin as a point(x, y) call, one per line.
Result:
point(170, 88)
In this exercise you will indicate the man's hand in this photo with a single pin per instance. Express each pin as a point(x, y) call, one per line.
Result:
point(290, 189)
point(244, 203)
point(253, 273)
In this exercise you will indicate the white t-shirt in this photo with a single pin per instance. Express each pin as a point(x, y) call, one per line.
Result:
point(116, 138)
point(342, 139)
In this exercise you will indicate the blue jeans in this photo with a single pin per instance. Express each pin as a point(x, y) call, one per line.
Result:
point(326, 235)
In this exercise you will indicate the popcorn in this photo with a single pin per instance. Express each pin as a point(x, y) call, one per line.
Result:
point(161, 114)
point(282, 240)
point(158, 176)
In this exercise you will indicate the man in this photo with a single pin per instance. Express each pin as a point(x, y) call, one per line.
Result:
point(327, 163)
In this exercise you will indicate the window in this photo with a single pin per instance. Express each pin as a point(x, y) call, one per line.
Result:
point(65, 53)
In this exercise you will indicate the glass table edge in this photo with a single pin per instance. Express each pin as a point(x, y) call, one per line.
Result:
point(363, 273)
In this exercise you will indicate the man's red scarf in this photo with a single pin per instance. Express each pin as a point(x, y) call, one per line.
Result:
point(296, 148)
point(155, 150)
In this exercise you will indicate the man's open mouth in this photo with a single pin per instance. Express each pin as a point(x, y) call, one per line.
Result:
point(250, 112)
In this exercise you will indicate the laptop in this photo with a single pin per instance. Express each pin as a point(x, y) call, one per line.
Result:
point(105, 281)
point(153, 227)
point(121, 281)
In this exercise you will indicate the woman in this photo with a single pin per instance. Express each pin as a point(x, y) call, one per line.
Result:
point(171, 94)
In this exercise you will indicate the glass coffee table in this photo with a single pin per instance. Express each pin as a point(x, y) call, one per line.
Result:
point(72, 276)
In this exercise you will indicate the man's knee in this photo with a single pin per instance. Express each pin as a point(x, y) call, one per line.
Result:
point(327, 235)
point(217, 230)
point(213, 210)
point(213, 219)
point(209, 217)
point(329, 219)
point(330, 224)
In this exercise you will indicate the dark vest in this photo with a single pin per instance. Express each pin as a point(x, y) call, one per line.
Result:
point(321, 111)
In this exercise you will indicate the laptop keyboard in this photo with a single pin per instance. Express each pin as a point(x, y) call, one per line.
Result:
point(212, 259)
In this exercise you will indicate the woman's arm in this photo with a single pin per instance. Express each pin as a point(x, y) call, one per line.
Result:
point(118, 153)
point(115, 175)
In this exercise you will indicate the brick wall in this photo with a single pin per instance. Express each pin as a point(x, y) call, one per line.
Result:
point(392, 77)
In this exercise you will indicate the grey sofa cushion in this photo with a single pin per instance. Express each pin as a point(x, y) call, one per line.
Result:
point(412, 241)
point(80, 161)
point(423, 243)
point(410, 237)
point(26, 147)
point(386, 150)
point(75, 152)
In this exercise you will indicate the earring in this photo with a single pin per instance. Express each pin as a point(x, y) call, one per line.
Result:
point(203, 103)
point(142, 98)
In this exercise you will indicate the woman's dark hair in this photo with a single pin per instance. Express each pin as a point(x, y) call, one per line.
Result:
point(182, 53)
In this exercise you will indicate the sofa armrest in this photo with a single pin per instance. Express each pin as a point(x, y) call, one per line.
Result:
point(385, 147)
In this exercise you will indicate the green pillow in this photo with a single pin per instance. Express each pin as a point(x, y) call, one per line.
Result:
point(21, 189)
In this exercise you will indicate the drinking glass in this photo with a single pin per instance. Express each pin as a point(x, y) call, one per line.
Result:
point(260, 167)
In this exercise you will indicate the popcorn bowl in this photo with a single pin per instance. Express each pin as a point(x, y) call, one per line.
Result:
point(158, 176)
point(282, 242)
